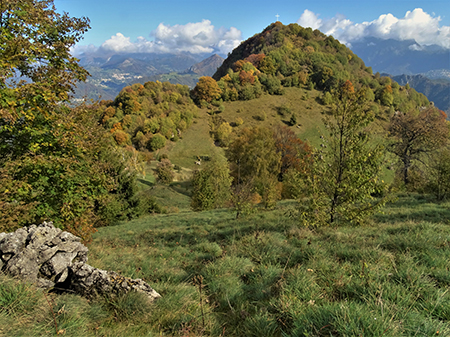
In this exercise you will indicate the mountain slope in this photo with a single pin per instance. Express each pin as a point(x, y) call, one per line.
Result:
point(437, 91)
point(207, 67)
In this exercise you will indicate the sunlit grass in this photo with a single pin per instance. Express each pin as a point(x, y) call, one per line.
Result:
point(262, 275)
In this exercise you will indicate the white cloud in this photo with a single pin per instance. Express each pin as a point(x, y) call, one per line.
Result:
point(416, 24)
point(310, 19)
point(197, 37)
point(118, 43)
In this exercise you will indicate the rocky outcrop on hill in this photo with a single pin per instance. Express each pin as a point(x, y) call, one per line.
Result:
point(52, 258)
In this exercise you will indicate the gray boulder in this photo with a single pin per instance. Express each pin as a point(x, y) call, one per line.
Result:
point(52, 258)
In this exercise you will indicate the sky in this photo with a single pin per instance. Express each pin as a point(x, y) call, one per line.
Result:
point(205, 26)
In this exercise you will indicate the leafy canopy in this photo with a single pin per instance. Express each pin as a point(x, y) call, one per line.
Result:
point(56, 163)
point(416, 135)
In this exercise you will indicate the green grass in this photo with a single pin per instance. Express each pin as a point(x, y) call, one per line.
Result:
point(195, 142)
point(304, 103)
point(263, 275)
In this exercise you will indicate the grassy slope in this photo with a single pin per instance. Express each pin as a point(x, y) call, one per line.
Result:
point(196, 141)
point(260, 276)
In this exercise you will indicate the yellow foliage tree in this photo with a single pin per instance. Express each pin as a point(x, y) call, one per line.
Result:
point(206, 90)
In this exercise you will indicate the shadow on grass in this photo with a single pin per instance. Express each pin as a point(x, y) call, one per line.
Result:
point(433, 216)
point(182, 187)
point(415, 208)
point(145, 182)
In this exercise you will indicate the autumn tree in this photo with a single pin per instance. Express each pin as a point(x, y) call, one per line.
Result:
point(415, 136)
point(206, 90)
point(56, 164)
point(254, 158)
point(346, 173)
point(295, 154)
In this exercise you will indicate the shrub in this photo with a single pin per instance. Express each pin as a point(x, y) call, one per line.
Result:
point(158, 141)
point(121, 137)
point(293, 120)
point(164, 172)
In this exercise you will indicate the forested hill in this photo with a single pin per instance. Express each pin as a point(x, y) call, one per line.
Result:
point(292, 48)
point(292, 56)
point(437, 91)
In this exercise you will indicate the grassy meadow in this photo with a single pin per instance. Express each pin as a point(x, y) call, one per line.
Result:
point(263, 275)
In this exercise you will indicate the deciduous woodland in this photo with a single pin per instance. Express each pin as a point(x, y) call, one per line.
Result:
point(293, 193)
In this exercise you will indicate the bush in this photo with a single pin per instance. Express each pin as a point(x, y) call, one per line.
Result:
point(327, 98)
point(293, 120)
point(284, 110)
point(121, 138)
point(158, 141)
point(164, 172)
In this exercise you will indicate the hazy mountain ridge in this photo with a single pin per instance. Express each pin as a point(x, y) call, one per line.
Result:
point(207, 67)
point(112, 72)
point(403, 57)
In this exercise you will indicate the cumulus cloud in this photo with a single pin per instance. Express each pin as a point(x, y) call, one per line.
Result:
point(197, 37)
point(418, 25)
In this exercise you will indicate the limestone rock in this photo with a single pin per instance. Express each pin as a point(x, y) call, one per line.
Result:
point(50, 257)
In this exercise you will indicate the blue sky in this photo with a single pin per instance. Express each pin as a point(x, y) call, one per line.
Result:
point(149, 25)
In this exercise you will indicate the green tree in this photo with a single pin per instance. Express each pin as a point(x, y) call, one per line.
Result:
point(439, 174)
point(56, 163)
point(416, 135)
point(211, 186)
point(158, 141)
point(345, 174)
point(46, 155)
point(223, 133)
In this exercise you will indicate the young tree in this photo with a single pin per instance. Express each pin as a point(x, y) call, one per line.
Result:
point(414, 136)
point(347, 172)
point(164, 172)
point(438, 177)
point(211, 186)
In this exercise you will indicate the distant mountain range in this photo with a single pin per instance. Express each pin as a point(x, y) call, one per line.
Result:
point(404, 57)
point(425, 68)
point(437, 91)
point(111, 73)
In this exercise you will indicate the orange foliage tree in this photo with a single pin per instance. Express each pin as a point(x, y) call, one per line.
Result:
point(206, 90)
point(295, 154)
